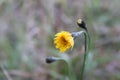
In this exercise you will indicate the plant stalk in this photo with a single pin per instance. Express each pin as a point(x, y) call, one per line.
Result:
point(87, 42)
point(70, 70)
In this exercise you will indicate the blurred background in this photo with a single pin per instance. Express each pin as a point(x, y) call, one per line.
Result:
point(27, 29)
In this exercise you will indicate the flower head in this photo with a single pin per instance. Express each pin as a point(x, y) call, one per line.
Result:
point(64, 41)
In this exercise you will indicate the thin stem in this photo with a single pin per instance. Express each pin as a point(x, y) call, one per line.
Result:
point(87, 42)
point(71, 75)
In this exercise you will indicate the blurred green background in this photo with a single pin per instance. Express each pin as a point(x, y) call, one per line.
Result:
point(27, 29)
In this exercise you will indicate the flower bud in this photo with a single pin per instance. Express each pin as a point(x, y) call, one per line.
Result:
point(81, 24)
point(51, 59)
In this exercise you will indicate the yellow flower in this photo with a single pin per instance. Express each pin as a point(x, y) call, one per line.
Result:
point(63, 41)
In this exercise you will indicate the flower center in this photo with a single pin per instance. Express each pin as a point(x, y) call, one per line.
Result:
point(64, 40)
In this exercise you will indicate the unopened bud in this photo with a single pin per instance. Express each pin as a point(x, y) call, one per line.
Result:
point(51, 59)
point(81, 24)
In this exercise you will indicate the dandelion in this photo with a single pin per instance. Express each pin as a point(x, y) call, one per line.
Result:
point(64, 41)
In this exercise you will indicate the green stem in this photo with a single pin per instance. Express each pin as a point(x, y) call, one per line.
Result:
point(70, 71)
point(87, 42)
